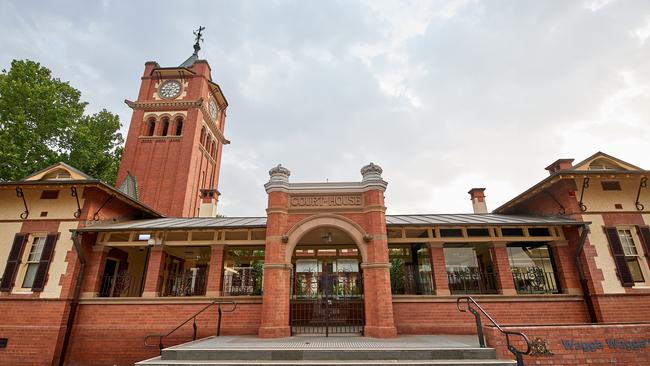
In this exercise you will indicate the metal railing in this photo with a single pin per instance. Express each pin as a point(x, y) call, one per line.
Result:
point(534, 280)
point(472, 281)
point(123, 284)
point(474, 308)
point(186, 284)
point(246, 281)
point(408, 280)
point(194, 327)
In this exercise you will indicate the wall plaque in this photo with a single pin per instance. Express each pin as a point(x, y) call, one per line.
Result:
point(325, 201)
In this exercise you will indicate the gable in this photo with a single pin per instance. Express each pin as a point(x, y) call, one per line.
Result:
point(58, 172)
point(601, 161)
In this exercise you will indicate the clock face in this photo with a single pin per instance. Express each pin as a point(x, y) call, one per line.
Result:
point(170, 89)
point(213, 108)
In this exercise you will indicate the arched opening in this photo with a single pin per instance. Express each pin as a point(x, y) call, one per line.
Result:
point(151, 126)
point(179, 126)
point(203, 136)
point(327, 282)
point(165, 126)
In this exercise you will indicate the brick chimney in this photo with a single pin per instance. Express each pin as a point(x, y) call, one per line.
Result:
point(209, 199)
point(478, 200)
point(559, 164)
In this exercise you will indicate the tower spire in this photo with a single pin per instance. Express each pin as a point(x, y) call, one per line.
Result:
point(198, 34)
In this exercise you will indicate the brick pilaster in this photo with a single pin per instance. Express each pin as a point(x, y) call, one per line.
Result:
point(215, 271)
point(502, 266)
point(154, 276)
point(565, 267)
point(94, 271)
point(439, 269)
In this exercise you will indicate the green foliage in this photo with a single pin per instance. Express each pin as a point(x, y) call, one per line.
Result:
point(42, 122)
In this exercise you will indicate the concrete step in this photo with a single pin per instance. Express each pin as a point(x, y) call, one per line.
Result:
point(392, 362)
point(378, 354)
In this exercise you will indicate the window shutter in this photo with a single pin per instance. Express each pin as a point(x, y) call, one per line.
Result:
point(619, 257)
point(644, 234)
point(44, 265)
point(12, 262)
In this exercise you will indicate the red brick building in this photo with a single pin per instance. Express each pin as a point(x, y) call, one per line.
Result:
point(102, 268)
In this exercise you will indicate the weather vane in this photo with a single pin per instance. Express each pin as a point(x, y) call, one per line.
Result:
point(199, 39)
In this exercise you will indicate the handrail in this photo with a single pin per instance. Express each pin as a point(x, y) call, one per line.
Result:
point(217, 302)
point(472, 305)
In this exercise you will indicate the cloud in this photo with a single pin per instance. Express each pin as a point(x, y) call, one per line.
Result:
point(444, 95)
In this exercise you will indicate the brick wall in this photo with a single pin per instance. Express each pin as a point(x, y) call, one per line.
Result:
point(440, 316)
point(34, 329)
point(629, 307)
point(602, 344)
point(119, 329)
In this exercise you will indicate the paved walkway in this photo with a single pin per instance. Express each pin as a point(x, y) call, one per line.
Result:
point(332, 342)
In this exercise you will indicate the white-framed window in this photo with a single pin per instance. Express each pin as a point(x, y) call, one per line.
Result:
point(33, 260)
point(631, 254)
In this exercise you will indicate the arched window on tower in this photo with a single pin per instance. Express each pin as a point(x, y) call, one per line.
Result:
point(203, 136)
point(151, 126)
point(165, 126)
point(179, 126)
point(213, 148)
point(214, 154)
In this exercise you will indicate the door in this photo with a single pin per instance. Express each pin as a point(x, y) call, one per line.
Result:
point(327, 302)
point(109, 277)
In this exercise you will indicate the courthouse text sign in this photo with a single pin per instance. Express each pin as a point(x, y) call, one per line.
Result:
point(325, 201)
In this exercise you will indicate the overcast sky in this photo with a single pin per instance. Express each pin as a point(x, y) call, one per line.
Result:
point(444, 95)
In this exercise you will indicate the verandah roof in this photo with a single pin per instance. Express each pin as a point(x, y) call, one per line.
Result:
point(202, 223)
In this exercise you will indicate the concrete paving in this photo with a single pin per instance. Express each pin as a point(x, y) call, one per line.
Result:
point(404, 342)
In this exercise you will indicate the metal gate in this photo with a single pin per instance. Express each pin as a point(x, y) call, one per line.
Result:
point(327, 303)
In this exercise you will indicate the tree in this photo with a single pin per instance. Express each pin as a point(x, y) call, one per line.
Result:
point(42, 122)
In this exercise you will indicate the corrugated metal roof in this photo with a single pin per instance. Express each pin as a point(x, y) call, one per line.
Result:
point(477, 219)
point(200, 223)
point(169, 223)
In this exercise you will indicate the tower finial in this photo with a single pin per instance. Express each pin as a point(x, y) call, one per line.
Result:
point(199, 39)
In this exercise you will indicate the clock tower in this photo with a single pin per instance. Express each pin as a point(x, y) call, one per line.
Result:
point(172, 155)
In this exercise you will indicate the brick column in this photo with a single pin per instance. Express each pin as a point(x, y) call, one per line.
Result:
point(439, 269)
point(94, 271)
point(502, 266)
point(378, 300)
point(154, 276)
point(565, 267)
point(215, 271)
point(277, 273)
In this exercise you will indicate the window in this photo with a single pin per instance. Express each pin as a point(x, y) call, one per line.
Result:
point(58, 174)
point(203, 136)
point(33, 260)
point(49, 195)
point(603, 164)
point(611, 185)
point(165, 128)
point(179, 126)
point(631, 254)
point(533, 270)
point(410, 269)
point(151, 127)
point(470, 269)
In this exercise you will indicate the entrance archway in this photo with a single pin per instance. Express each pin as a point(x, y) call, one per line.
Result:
point(326, 283)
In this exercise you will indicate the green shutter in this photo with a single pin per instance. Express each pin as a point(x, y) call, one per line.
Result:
point(13, 262)
point(619, 257)
point(46, 257)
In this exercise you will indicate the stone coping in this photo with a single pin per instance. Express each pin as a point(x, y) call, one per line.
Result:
point(185, 300)
point(486, 298)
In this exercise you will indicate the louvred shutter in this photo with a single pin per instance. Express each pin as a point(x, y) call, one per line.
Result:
point(644, 234)
point(13, 262)
point(44, 265)
point(619, 257)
